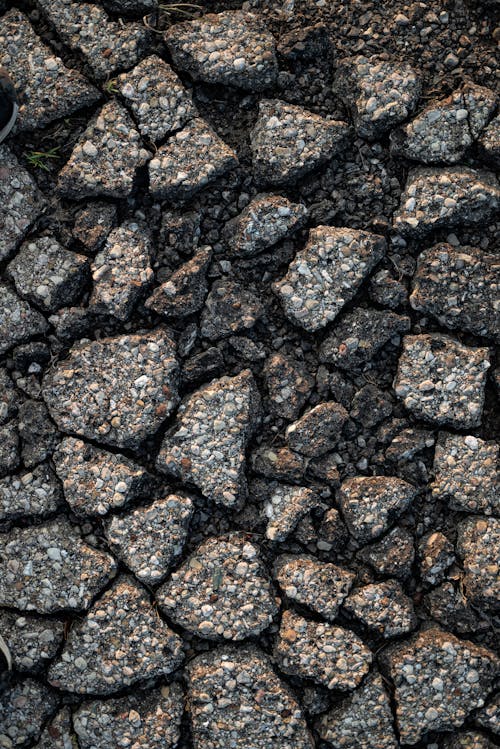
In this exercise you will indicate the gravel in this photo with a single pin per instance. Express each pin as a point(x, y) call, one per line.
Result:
point(49, 568)
point(318, 430)
point(235, 699)
point(58, 733)
point(441, 380)
point(116, 390)
point(206, 446)
point(184, 292)
point(288, 383)
point(327, 273)
point(231, 48)
point(286, 506)
point(221, 591)
point(439, 680)
point(24, 708)
point(436, 555)
point(477, 546)
point(33, 493)
point(120, 642)
point(32, 642)
point(382, 607)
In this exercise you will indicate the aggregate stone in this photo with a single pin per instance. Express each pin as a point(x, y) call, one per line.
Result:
point(32, 642)
point(436, 556)
point(285, 507)
point(448, 606)
point(184, 292)
point(96, 481)
point(318, 430)
point(382, 607)
point(489, 715)
point(130, 6)
point(229, 308)
point(115, 390)
point(9, 448)
point(489, 143)
point(289, 384)
point(359, 335)
point(105, 45)
point(468, 740)
point(288, 141)
point(331, 656)
point(206, 446)
point(362, 720)
point(327, 273)
point(393, 555)
point(466, 474)
point(443, 132)
point(150, 720)
point(460, 287)
point(370, 504)
point(436, 198)
point(386, 290)
point(92, 225)
point(439, 680)
point(332, 532)
point(9, 397)
point(380, 93)
point(49, 568)
point(478, 544)
point(156, 98)
point(46, 88)
point(58, 733)
point(371, 405)
point(319, 585)
point(236, 700)
point(122, 270)
point(266, 220)
point(21, 202)
point(120, 642)
point(149, 538)
point(37, 431)
point(106, 157)
point(221, 591)
point(441, 380)
point(24, 708)
point(30, 494)
point(231, 48)
point(48, 275)
point(202, 367)
point(18, 321)
point(191, 159)
point(308, 43)
point(282, 464)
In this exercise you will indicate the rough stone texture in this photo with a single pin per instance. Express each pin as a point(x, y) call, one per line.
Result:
point(189, 161)
point(106, 46)
point(437, 198)
point(319, 585)
point(380, 93)
point(478, 543)
point(466, 474)
point(288, 383)
point(47, 275)
point(460, 287)
point(288, 141)
point(383, 607)
point(266, 220)
point(96, 481)
point(441, 380)
point(489, 715)
point(468, 740)
point(121, 271)
point(230, 48)
point(436, 556)
point(106, 157)
point(37, 431)
point(21, 202)
point(318, 430)
point(229, 308)
point(35, 83)
point(185, 290)
point(32, 642)
point(9, 448)
point(359, 335)
point(156, 98)
point(149, 538)
point(370, 504)
point(233, 681)
point(30, 494)
point(439, 680)
point(24, 708)
point(327, 273)
point(92, 225)
point(120, 642)
point(331, 656)
point(448, 606)
point(361, 721)
point(150, 720)
point(116, 390)
point(206, 446)
point(443, 132)
point(58, 733)
point(221, 591)
point(285, 507)
point(489, 143)
point(49, 568)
